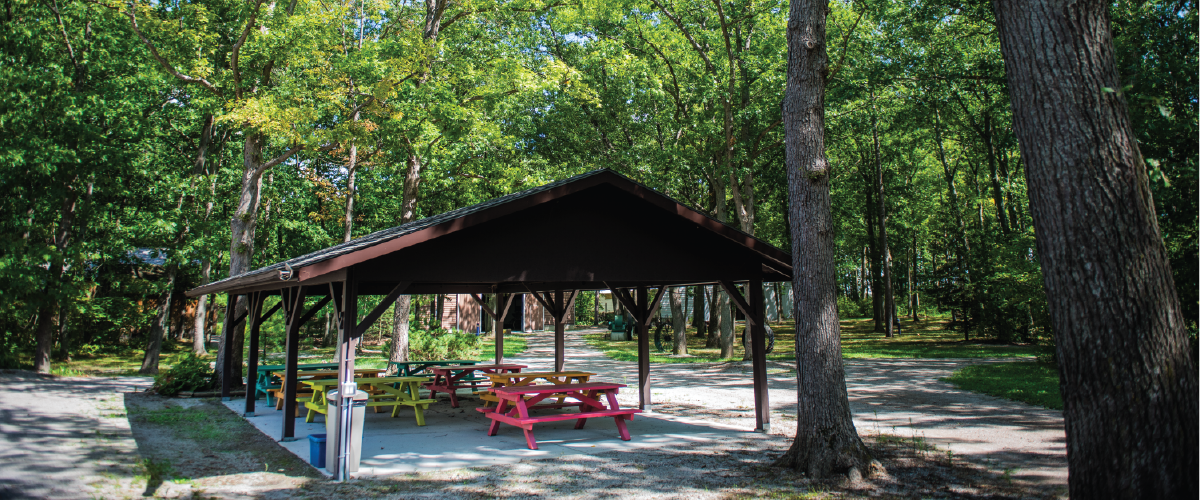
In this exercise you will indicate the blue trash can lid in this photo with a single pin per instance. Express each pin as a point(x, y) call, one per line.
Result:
point(316, 437)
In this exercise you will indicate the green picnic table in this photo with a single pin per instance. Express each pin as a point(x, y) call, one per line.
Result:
point(264, 383)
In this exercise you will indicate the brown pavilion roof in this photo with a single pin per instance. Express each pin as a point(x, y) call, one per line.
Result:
point(593, 231)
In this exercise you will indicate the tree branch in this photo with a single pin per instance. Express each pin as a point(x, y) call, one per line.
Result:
point(707, 63)
point(166, 65)
point(237, 49)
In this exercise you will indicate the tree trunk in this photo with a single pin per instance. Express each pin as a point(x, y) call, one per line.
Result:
point(997, 196)
point(400, 330)
point(871, 215)
point(200, 327)
point(725, 325)
point(678, 321)
point(241, 247)
point(826, 441)
point(1128, 376)
point(698, 309)
point(408, 206)
point(912, 269)
point(44, 335)
point(714, 332)
point(158, 329)
point(889, 298)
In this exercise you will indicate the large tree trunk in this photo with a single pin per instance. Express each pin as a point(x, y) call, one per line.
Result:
point(241, 246)
point(826, 441)
point(1128, 375)
point(408, 209)
point(201, 309)
point(399, 351)
point(725, 326)
point(678, 321)
point(158, 329)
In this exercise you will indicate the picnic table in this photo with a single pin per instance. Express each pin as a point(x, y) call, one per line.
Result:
point(528, 378)
point(314, 375)
point(266, 382)
point(449, 379)
point(412, 368)
point(514, 407)
point(383, 391)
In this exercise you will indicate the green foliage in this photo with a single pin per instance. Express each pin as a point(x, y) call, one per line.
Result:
point(585, 312)
point(440, 344)
point(1035, 383)
point(191, 373)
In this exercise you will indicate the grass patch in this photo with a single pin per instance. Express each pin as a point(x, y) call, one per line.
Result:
point(928, 338)
point(514, 344)
point(1035, 383)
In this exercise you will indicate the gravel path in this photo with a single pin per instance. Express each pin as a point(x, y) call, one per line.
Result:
point(66, 437)
point(899, 397)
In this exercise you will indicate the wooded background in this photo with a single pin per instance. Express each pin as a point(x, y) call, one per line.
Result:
point(138, 139)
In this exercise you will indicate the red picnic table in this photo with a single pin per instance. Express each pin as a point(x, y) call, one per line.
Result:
point(514, 407)
point(449, 379)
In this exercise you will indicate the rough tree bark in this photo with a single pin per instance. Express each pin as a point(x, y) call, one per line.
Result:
point(826, 441)
point(678, 321)
point(408, 209)
point(44, 335)
point(1128, 377)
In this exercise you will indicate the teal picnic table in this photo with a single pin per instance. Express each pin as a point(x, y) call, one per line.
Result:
point(267, 383)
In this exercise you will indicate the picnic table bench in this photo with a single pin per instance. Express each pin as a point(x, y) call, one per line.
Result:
point(266, 381)
point(313, 375)
point(449, 379)
point(382, 391)
point(514, 407)
point(528, 378)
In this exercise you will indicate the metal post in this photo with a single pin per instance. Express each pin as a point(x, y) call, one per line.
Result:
point(758, 333)
point(227, 346)
point(292, 330)
point(348, 335)
point(255, 319)
point(560, 337)
point(641, 315)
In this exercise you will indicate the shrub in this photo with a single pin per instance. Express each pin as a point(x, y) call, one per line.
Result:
point(439, 344)
point(191, 373)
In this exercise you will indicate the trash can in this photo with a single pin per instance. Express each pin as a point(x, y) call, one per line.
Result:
point(358, 411)
point(316, 450)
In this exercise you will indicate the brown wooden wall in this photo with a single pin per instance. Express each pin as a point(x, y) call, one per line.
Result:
point(533, 315)
point(468, 312)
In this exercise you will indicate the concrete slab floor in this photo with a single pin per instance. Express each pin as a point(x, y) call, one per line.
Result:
point(457, 438)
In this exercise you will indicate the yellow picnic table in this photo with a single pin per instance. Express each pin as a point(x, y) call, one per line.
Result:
point(528, 378)
point(383, 391)
point(315, 375)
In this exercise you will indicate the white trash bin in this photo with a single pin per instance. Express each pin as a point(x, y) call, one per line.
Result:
point(358, 410)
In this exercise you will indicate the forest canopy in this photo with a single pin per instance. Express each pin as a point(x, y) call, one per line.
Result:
point(139, 139)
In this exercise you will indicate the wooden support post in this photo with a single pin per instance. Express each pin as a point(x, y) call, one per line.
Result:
point(292, 331)
point(256, 319)
point(641, 315)
point(498, 327)
point(560, 330)
point(347, 340)
point(758, 333)
point(227, 346)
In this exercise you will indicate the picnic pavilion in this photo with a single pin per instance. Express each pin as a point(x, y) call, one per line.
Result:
point(595, 231)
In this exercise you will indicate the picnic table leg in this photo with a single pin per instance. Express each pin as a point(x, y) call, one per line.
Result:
point(495, 425)
point(523, 411)
point(420, 410)
point(583, 406)
point(620, 419)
